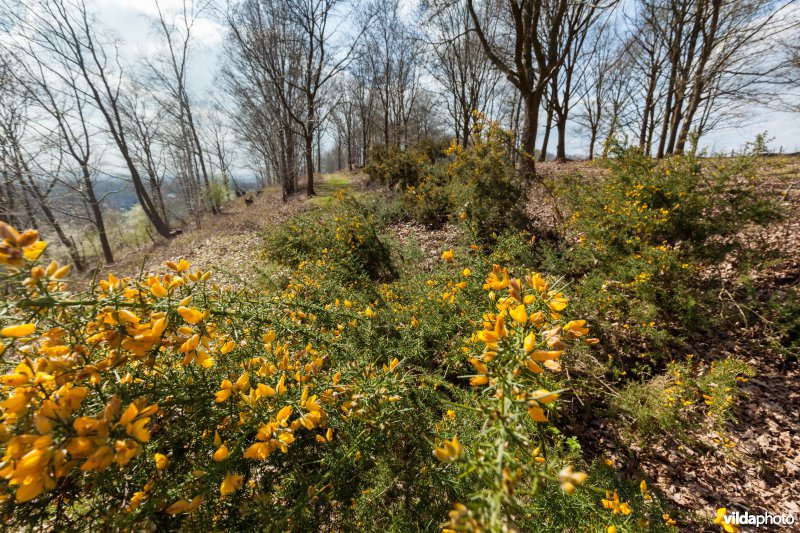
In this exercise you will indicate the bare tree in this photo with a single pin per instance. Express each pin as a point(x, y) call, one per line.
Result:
point(65, 33)
point(266, 33)
point(529, 49)
point(389, 53)
point(702, 54)
point(20, 187)
point(344, 121)
point(460, 65)
point(364, 97)
point(169, 74)
point(143, 127)
point(260, 62)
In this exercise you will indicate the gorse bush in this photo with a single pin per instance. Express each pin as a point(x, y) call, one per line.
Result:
point(347, 235)
point(478, 183)
point(217, 192)
point(167, 402)
point(642, 233)
point(393, 166)
point(689, 395)
point(390, 165)
point(647, 202)
point(493, 197)
point(434, 199)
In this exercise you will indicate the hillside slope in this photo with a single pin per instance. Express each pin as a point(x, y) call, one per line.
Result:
point(753, 464)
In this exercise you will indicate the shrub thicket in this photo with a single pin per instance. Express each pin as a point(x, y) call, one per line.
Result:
point(167, 402)
point(390, 165)
point(360, 391)
point(640, 236)
point(479, 183)
point(492, 193)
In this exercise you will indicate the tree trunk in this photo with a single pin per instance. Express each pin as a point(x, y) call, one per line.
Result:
point(292, 167)
point(547, 127)
point(649, 104)
point(350, 152)
point(528, 149)
point(386, 126)
point(662, 140)
point(592, 142)
point(33, 190)
point(201, 158)
point(699, 76)
point(309, 153)
point(465, 129)
point(97, 215)
point(561, 146)
point(674, 57)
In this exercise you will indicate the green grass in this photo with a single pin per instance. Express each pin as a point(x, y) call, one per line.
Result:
point(328, 185)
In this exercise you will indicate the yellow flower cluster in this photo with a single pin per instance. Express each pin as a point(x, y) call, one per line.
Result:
point(17, 247)
point(168, 396)
point(525, 335)
point(76, 398)
point(526, 313)
point(613, 503)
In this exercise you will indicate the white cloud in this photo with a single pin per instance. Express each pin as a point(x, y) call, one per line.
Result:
point(133, 21)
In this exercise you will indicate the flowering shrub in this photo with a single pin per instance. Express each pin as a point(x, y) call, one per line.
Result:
point(393, 166)
point(434, 198)
point(170, 402)
point(164, 397)
point(687, 396)
point(492, 197)
point(640, 237)
point(478, 181)
point(512, 350)
point(345, 238)
point(390, 165)
point(648, 202)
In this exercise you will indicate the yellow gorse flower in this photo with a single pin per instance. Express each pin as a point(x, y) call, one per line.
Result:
point(221, 454)
point(613, 503)
point(16, 248)
point(162, 461)
point(21, 330)
point(449, 451)
point(184, 506)
point(231, 484)
point(191, 315)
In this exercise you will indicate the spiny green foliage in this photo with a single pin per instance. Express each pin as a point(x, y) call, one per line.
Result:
point(478, 182)
point(345, 235)
point(642, 234)
point(434, 390)
point(687, 396)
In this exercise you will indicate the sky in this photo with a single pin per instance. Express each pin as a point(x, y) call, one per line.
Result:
point(132, 21)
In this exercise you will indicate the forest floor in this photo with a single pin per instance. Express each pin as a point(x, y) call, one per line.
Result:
point(761, 470)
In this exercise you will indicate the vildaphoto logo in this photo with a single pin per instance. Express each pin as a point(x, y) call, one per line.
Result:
point(729, 521)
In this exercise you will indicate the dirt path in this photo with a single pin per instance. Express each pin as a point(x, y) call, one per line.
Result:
point(230, 243)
